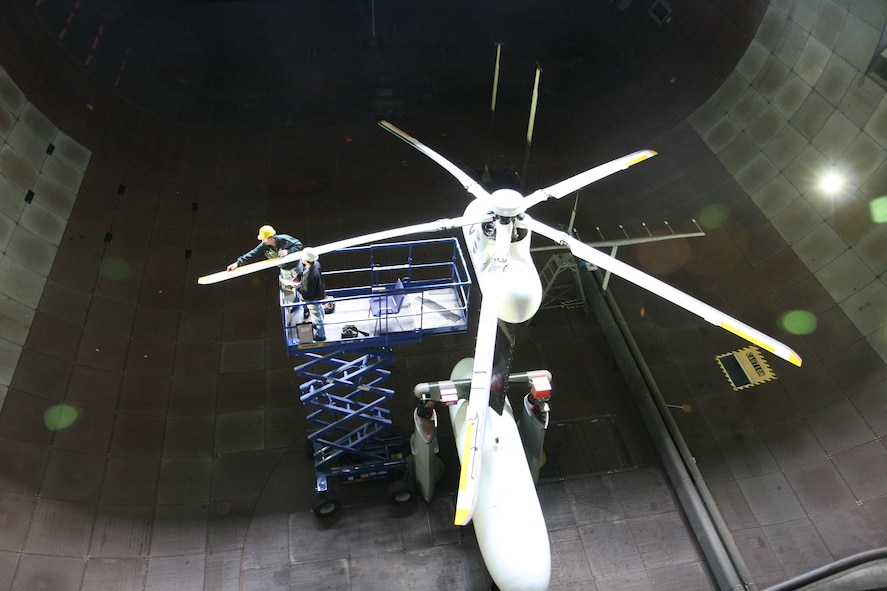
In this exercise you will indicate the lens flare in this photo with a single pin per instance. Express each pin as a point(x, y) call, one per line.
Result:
point(114, 268)
point(60, 416)
point(713, 216)
point(664, 257)
point(878, 208)
point(799, 322)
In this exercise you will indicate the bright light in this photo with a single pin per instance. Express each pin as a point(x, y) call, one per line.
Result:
point(831, 182)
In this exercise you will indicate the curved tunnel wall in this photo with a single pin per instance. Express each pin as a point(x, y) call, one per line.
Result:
point(41, 169)
point(799, 103)
point(794, 476)
point(144, 490)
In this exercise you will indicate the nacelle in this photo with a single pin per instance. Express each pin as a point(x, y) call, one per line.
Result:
point(521, 293)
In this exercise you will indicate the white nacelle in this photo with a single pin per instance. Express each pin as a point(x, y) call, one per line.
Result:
point(522, 293)
point(508, 521)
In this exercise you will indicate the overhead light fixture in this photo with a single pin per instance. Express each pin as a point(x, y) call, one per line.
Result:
point(831, 182)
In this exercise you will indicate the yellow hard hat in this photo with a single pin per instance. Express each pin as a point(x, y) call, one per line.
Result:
point(266, 232)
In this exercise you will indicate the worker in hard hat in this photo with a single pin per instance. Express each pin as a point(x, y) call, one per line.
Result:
point(311, 290)
point(271, 246)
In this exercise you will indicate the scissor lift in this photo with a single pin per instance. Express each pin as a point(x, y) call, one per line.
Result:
point(353, 439)
point(404, 291)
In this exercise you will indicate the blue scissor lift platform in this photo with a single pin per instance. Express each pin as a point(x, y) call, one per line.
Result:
point(383, 294)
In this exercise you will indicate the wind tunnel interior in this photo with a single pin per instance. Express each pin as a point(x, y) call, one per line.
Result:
point(151, 435)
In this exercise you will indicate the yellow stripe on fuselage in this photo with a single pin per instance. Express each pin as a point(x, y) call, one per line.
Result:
point(463, 514)
point(462, 517)
point(466, 455)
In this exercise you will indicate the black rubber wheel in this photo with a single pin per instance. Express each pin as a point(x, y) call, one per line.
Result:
point(325, 504)
point(401, 491)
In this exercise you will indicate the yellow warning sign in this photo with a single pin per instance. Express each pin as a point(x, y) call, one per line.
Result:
point(745, 368)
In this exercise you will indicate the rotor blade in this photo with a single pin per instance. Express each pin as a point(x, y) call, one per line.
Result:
point(584, 179)
point(686, 301)
point(479, 395)
point(471, 185)
point(435, 226)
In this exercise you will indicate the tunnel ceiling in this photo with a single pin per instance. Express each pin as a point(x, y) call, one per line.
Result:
point(296, 62)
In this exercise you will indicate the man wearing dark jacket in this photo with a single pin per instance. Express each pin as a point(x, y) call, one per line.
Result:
point(271, 246)
point(311, 290)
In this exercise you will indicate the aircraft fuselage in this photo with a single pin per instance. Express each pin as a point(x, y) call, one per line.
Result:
point(508, 521)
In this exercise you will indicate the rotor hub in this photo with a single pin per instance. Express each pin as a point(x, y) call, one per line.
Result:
point(507, 203)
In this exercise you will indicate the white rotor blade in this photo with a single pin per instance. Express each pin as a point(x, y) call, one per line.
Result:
point(435, 226)
point(584, 179)
point(648, 282)
point(479, 396)
point(471, 185)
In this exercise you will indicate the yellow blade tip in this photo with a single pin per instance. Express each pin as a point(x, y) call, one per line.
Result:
point(795, 359)
point(462, 517)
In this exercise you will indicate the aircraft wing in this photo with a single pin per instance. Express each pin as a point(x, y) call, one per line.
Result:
point(584, 179)
point(481, 377)
point(676, 296)
point(435, 226)
point(471, 185)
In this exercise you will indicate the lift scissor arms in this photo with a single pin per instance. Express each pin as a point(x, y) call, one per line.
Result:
point(449, 392)
point(322, 386)
point(369, 412)
point(341, 367)
point(329, 453)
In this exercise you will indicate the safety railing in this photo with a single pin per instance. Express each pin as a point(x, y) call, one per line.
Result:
point(383, 294)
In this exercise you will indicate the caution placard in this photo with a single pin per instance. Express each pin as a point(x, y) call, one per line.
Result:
point(745, 368)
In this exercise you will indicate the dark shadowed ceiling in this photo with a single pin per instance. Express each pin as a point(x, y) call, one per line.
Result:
point(288, 62)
